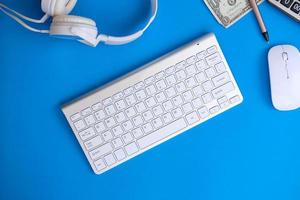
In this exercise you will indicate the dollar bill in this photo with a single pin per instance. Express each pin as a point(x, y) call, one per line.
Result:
point(227, 12)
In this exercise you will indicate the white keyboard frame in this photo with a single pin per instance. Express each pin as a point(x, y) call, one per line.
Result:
point(138, 75)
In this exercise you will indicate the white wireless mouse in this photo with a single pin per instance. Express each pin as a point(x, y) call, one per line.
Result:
point(284, 67)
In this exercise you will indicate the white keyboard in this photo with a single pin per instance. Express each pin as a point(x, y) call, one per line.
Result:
point(153, 104)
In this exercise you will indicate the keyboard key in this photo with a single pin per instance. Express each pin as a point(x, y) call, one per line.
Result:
point(161, 133)
point(130, 100)
point(296, 7)
point(120, 117)
point(100, 165)
point(97, 106)
point(187, 96)
point(120, 105)
point(110, 122)
point(207, 98)
point(167, 118)
point(75, 117)
point(198, 91)
point(107, 136)
point(161, 85)
point(203, 112)
point(157, 123)
point(170, 70)
point(201, 65)
point(235, 99)
point(128, 90)
point(147, 115)
point(211, 49)
point(140, 107)
point(157, 110)
point(177, 112)
point(137, 133)
point(127, 138)
point(177, 100)
point(139, 85)
point(130, 112)
point(109, 159)
point(100, 115)
point(187, 107)
point(120, 154)
point(192, 118)
point(138, 120)
point(222, 99)
point(180, 75)
point(100, 151)
point(167, 105)
point(197, 103)
point(214, 109)
point(92, 143)
point(221, 79)
point(160, 97)
point(118, 96)
point(159, 75)
point(220, 67)
point(117, 130)
point(171, 80)
point(170, 92)
point(222, 90)
point(149, 80)
point(200, 77)
point(150, 90)
point(201, 54)
point(100, 127)
point(117, 142)
point(110, 110)
point(180, 87)
point(79, 125)
point(140, 95)
point(207, 86)
point(86, 134)
point(150, 102)
point(190, 70)
point(210, 72)
point(190, 82)
point(286, 3)
point(191, 60)
point(127, 125)
point(131, 148)
point(107, 101)
point(180, 65)
point(213, 59)
point(89, 120)
point(147, 128)
point(86, 111)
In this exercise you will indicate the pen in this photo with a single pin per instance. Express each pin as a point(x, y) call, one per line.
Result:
point(259, 19)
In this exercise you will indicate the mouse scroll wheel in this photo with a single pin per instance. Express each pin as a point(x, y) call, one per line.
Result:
point(285, 56)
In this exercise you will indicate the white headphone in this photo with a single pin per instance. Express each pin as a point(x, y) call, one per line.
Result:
point(74, 27)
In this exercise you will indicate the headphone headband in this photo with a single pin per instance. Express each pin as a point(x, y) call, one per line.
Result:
point(115, 40)
point(64, 25)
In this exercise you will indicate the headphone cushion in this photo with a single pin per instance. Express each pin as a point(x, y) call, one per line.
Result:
point(57, 7)
point(73, 19)
point(61, 25)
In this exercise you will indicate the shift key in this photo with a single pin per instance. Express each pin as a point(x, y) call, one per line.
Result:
point(222, 90)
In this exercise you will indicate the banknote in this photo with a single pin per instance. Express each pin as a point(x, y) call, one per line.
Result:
point(227, 12)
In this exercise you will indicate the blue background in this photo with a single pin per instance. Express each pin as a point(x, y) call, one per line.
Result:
point(249, 152)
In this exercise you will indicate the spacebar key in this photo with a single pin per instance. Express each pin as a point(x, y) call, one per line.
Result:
point(161, 133)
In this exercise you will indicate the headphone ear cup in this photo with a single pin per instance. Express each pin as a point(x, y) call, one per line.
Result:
point(58, 7)
point(62, 26)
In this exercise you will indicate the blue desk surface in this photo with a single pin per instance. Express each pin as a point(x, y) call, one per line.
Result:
point(250, 152)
